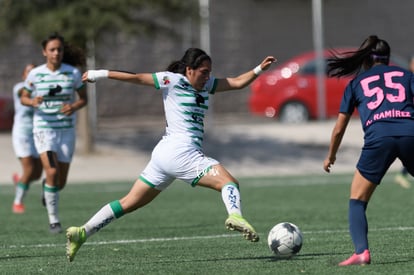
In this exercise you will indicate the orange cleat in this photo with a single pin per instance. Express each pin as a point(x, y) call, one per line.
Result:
point(18, 208)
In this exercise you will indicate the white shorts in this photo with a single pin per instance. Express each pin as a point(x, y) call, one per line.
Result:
point(173, 159)
point(23, 145)
point(61, 142)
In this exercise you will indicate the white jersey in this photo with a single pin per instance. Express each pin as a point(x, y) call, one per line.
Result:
point(179, 153)
point(57, 88)
point(23, 115)
point(185, 108)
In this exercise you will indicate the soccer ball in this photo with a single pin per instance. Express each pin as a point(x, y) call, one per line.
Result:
point(285, 240)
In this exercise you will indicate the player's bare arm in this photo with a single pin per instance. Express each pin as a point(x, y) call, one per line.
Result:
point(136, 78)
point(241, 81)
point(336, 139)
point(26, 100)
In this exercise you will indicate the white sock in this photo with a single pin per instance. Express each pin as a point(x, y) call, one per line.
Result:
point(102, 218)
point(231, 198)
point(52, 203)
point(19, 194)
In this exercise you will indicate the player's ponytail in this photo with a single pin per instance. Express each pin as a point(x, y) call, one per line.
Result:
point(192, 58)
point(177, 67)
point(74, 55)
point(372, 50)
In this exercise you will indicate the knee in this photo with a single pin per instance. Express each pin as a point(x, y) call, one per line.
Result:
point(51, 175)
point(51, 172)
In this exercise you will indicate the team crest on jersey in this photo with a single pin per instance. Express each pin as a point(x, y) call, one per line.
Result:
point(165, 80)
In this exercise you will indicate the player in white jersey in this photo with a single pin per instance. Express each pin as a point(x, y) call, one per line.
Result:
point(56, 92)
point(186, 86)
point(23, 145)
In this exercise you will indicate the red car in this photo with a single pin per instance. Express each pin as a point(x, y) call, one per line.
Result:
point(6, 113)
point(289, 92)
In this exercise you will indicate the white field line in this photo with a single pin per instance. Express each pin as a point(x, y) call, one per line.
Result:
point(398, 228)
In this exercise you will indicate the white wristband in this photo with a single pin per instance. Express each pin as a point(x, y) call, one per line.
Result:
point(94, 75)
point(258, 70)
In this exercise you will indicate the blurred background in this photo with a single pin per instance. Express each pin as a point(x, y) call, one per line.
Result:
point(146, 35)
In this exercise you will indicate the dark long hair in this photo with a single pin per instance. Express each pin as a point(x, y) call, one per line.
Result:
point(193, 57)
point(72, 54)
point(372, 50)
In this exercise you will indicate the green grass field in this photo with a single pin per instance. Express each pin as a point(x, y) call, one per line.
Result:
point(182, 231)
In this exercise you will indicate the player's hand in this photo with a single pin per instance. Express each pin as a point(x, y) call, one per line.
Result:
point(87, 77)
point(36, 101)
point(267, 62)
point(327, 164)
point(67, 109)
point(93, 75)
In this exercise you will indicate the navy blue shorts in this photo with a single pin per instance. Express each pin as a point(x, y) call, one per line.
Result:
point(377, 156)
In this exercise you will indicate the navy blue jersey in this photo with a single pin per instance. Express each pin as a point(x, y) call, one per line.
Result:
point(383, 96)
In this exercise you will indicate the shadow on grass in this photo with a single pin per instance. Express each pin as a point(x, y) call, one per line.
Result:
point(271, 258)
point(15, 257)
point(392, 261)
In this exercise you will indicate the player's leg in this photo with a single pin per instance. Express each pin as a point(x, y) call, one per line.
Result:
point(31, 168)
point(361, 191)
point(64, 152)
point(374, 161)
point(37, 169)
point(23, 184)
point(139, 195)
point(402, 178)
point(51, 189)
point(218, 178)
point(57, 172)
point(63, 174)
point(48, 143)
point(407, 158)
